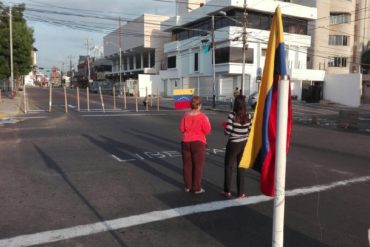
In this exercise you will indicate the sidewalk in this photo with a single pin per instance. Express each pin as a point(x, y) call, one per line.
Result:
point(9, 107)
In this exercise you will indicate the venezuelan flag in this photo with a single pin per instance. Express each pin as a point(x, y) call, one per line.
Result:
point(182, 98)
point(259, 152)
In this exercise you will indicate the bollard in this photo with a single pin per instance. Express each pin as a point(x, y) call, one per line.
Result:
point(114, 97)
point(101, 99)
point(146, 99)
point(124, 97)
point(78, 99)
point(137, 107)
point(1, 99)
point(151, 99)
point(24, 99)
point(50, 97)
point(65, 100)
point(157, 99)
point(88, 98)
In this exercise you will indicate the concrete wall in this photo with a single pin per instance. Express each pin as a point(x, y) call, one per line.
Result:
point(152, 82)
point(343, 89)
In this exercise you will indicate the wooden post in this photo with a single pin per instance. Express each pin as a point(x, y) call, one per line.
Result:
point(137, 107)
point(146, 99)
point(50, 97)
point(124, 97)
point(101, 99)
point(1, 99)
point(78, 99)
point(157, 99)
point(25, 99)
point(65, 100)
point(88, 98)
point(114, 97)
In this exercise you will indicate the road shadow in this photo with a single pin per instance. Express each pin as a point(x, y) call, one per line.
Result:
point(156, 167)
point(241, 225)
point(51, 164)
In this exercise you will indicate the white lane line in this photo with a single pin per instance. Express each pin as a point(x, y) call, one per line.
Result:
point(111, 225)
point(120, 160)
point(124, 115)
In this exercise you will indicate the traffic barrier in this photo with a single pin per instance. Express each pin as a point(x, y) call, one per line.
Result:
point(78, 99)
point(101, 99)
point(65, 100)
point(88, 99)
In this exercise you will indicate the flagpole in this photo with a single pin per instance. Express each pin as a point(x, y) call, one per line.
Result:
point(280, 163)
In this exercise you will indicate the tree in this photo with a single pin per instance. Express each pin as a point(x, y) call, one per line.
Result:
point(22, 42)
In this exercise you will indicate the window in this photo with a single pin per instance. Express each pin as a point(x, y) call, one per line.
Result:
point(233, 55)
point(124, 61)
point(337, 62)
point(131, 62)
point(146, 59)
point(338, 40)
point(236, 55)
point(196, 62)
point(171, 62)
point(339, 18)
point(138, 61)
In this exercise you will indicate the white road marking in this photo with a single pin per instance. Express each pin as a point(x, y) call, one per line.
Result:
point(36, 110)
point(120, 160)
point(36, 117)
point(111, 225)
point(124, 115)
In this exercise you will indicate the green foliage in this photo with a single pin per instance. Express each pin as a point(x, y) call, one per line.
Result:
point(22, 42)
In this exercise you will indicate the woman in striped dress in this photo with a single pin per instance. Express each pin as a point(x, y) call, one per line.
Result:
point(237, 128)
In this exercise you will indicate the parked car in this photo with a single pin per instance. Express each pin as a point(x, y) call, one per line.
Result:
point(94, 87)
point(107, 88)
point(252, 100)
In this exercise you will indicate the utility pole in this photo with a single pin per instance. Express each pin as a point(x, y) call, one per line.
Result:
point(214, 62)
point(11, 51)
point(245, 46)
point(88, 60)
point(120, 51)
point(70, 66)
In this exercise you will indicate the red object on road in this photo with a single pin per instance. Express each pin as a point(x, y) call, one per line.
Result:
point(224, 124)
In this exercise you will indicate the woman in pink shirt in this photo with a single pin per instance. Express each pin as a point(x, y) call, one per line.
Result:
point(194, 126)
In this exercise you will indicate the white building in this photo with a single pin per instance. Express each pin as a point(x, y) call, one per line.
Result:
point(141, 44)
point(189, 62)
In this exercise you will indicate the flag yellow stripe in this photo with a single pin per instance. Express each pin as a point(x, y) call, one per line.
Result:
point(187, 91)
point(255, 138)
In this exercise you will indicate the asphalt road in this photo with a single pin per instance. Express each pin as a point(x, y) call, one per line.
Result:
point(60, 174)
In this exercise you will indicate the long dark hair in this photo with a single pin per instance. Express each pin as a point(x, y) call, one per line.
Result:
point(240, 109)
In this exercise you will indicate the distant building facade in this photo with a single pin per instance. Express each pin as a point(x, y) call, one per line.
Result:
point(140, 42)
point(189, 54)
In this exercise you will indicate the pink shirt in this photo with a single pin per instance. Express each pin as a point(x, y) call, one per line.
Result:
point(195, 127)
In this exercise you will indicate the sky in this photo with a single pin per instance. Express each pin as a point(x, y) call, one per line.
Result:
point(62, 28)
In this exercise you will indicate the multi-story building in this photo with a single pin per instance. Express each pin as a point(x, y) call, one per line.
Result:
point(340, 33)
point(189, 54)
point(140, 42)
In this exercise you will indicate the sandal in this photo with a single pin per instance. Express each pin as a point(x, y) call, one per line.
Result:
point(226, 194)
point(241, 196)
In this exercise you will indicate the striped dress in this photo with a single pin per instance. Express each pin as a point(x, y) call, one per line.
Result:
point(238, 132)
